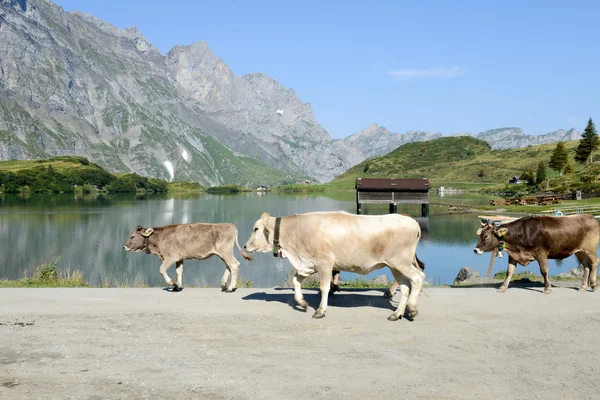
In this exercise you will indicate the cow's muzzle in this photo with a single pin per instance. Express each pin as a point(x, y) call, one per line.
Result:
point(126, 248)
point(477, 251)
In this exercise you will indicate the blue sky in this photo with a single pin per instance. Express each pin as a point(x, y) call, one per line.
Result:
point(438, 66)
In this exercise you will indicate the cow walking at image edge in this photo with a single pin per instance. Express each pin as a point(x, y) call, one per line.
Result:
point(539, 238)
point(174, 243)
point(324, 241)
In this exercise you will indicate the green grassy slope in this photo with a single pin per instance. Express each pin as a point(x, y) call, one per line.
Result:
point(459, 161)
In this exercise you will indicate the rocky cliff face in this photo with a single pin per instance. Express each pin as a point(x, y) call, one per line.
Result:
point(260, 108)
point(71, 84)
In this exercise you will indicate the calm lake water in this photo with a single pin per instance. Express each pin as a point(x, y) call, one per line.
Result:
point(88, 234)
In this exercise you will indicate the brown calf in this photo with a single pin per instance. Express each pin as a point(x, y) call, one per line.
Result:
point(175, 243)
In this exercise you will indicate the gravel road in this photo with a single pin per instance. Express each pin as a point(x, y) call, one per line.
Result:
point(466, 343)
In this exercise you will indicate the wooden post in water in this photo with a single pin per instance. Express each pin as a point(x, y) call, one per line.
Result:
point(393, 208)
point(425, 210)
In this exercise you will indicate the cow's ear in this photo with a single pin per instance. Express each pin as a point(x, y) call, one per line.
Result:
point(139, 228)
point(265, 215)
point(501, 232)
point(479, 231)
point(148, 232)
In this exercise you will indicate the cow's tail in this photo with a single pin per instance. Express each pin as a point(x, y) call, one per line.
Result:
point(418, 263)
point(244, 254)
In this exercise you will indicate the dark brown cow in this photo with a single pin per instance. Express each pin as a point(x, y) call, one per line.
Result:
point(541, 238)
point(175, 243)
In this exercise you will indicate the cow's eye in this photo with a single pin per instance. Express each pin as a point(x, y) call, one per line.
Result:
point(255, 229)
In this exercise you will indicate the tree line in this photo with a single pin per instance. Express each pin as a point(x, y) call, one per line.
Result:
point(559, 161)
point(48, 180)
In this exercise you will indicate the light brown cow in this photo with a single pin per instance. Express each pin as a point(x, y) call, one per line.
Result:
point(322, 241)
point(541, 238)
point(175, 243)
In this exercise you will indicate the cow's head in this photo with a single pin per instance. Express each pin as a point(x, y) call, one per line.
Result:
point(489, 238)
point(138, 239)
point(261, 239)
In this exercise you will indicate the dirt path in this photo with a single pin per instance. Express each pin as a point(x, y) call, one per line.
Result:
point(467, 343)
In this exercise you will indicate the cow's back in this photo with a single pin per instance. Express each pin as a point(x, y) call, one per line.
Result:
point(194, 240)
point(353, 237)
point(557, 236)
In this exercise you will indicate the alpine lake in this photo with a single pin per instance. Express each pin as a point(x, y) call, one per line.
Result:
point(87, 233)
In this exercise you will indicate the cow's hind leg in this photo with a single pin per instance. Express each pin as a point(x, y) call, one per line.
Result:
point(179, 271)
point(335, 279)
point(585, 262)
point(413, 276)
point(402, 282)
point(325, 282)
point(544, 271)
point(164, 267)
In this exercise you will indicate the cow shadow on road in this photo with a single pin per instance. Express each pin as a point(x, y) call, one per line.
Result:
point(346, 298)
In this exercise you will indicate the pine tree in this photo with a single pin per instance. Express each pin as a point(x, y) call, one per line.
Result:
point(568, 169)
point(540, 176)
point(559, 158)
point(530, 177)
point(588, 144)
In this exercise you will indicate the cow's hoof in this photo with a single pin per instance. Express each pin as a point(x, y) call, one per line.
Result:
point(547, 291)
point(303, 305)
point(223, 288)
point(393, 317)
point(594, 288)
point(501, 289)
point(583, 289)
point(318, 314)
point(230, 290)
point(412, 313)
point(177, 289)
point(388, 295)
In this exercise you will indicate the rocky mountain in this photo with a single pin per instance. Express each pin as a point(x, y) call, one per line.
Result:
point(259, 107)
point(376, 140)
point(509, 138)
point(71, 84)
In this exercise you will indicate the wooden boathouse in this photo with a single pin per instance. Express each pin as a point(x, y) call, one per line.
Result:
point(393, 191)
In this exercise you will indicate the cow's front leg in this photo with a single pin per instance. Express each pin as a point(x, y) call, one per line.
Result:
point(179, 271)
point(297, 281)
point(164, 267)
point(512, 265)
point(586, 278)
point(325, 282)
point(544, 271)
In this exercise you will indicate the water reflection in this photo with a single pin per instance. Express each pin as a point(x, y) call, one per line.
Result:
point(88, 232)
